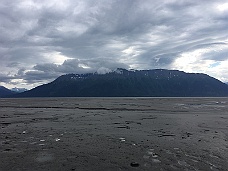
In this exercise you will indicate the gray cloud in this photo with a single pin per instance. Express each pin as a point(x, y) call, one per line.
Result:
point(41, 40)
point(75, 66)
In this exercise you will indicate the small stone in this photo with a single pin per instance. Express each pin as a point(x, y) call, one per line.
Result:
point(57, 139)
point(8, 149)
point(134, 164)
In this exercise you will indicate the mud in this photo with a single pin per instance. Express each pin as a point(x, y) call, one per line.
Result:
point(159, 134)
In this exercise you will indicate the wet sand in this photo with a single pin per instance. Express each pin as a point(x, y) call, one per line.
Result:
point(102, 134)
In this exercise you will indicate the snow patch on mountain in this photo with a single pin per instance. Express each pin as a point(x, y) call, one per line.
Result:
point(103, 70)
point(18, 90)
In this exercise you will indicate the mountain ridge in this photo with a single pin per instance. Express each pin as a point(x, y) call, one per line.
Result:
point(132, 83)
point(4, 92)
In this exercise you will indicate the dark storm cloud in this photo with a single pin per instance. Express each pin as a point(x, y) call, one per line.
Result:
point(41, 40)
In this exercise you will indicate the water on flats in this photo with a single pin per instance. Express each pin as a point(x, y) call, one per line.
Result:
point(183, 163)
point(156, 161)
point(44, 157)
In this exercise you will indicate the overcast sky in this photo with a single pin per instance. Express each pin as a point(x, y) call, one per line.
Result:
point(43, 39)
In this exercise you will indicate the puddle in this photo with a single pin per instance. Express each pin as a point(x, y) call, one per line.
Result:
point(213, 156)
point(146, 157)
point(156, 161)
point(24, 141)
point(41, 144)
point(44, 157)
point(193, 158)
point(183, 163)
point(168, 152)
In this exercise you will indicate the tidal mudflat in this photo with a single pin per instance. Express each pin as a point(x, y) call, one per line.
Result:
point(102, 134)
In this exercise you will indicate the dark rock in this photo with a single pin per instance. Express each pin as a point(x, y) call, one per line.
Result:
point(134, 164)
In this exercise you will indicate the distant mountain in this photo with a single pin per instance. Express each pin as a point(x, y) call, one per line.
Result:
point(131, 83)
point(19, 90)
point(4, 92)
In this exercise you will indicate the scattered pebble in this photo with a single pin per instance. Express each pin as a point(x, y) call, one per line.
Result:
point(7, 149)
point(57, 139)
point(122, 139)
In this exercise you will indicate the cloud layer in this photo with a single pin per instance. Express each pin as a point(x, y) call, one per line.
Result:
point(41, 40)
